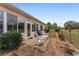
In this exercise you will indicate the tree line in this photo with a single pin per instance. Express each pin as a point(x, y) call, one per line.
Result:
point(67, 25)
point(51, 27)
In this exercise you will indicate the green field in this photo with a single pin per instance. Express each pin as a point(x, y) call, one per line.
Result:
point(74, 36)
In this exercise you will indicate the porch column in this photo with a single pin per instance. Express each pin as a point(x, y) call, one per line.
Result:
point(43, 26)
point(17, 23)
point(35, 27)
point(25, 29)
point(5, 23)
point(39, 26)
point(31, 29)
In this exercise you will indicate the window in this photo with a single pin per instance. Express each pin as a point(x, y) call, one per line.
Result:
point(11, 23)
point(1, 21)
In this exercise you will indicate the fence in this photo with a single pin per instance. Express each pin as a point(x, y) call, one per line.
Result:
point(72, 36)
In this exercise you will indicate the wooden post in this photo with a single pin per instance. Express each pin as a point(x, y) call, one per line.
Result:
point(70, 35)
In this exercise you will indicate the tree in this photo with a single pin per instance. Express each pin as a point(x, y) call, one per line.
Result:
point(52, 27)
point(49, 26)
point(55, 25)
point(71, 25)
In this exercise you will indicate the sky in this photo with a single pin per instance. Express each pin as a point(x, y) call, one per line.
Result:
point(51, 12)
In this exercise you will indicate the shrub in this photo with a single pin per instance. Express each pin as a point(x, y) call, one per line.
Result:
point(9, 41)
point(61, 36)
point(57, 30)
point(46, 30)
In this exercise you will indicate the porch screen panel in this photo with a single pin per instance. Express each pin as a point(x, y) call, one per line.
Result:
point(11, 23)
point(1, 21)
point(41, 27)
point(36, 26)
point(33, 27)
point(28, 29)
point(21, 25)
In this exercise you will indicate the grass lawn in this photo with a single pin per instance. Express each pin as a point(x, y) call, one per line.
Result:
point(74, 36)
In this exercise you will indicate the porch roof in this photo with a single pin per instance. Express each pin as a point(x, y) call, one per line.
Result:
point(21, 12)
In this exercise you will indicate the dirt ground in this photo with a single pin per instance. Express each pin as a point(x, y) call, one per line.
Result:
point(54, 47)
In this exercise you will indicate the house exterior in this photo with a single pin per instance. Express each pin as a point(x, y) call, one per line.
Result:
point(13, 19)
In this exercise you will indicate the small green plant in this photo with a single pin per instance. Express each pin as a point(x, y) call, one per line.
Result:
point(9, 41)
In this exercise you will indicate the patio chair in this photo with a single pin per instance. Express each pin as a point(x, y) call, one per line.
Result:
point(41, 37)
